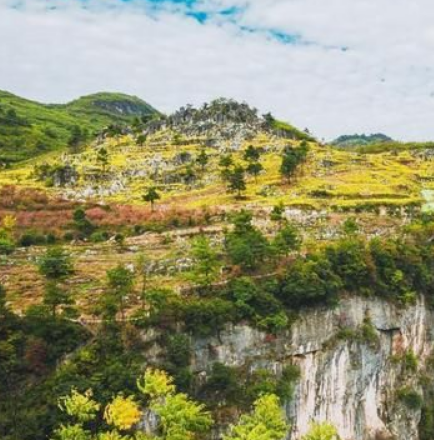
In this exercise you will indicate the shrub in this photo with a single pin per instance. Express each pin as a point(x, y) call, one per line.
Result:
point(99, 237)
point(223, 385)
point(285, 385)
point(7, 246)
point(206, 317)
point(31, 239)
point(410, 398)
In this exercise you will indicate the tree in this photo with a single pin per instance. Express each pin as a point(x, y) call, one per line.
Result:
point(142, 264)
point(122, 413)
point(236, 181)
point(321, 431)
point(54, 297)
point(80, 406)
point(308, 282)
point(189, 175)
point(180, 418)
point(207, 264)
point(120, 282)
point(289, 163)
point(141, 139)
point(287, 240)
point(226, 161)
point(254, 169)
point(202, 159)
point(277, 213)
point(82, 223)
point(151, 196)
point(246, 246)
point(103, 158)
point(252, 154)
point(7, 243)
point(265, 422)
point(350, 227)
point(76, 139)
point(55, 264)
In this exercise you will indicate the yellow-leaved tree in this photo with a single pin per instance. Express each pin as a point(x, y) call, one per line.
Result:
point(265, 422)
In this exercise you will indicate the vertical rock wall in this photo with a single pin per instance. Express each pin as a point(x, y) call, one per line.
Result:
point(350, 382)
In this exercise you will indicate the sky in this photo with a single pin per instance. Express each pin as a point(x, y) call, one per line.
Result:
point(333, 66)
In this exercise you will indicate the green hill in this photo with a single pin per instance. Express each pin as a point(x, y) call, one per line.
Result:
point(359, 140)
point(29, 128)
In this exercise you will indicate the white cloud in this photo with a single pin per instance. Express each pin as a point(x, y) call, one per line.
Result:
point(383, 82)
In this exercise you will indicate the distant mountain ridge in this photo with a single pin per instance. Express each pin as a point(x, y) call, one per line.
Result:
point(29, 128)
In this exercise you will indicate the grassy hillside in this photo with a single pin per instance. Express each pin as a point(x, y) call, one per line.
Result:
point(28, 128)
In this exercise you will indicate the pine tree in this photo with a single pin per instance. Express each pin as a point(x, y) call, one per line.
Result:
point(206, 259)
point(103, 158)
point(254, 169)
point(151, 196)
point(236, 181)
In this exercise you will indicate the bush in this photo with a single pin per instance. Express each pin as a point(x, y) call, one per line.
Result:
point(206, 317)
point(31, 239)
point(410, 398)
point(99, 237)
point(285, 385)
point(223, 385)
point(7, 246)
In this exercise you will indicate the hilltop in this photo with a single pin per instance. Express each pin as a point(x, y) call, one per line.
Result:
point(29, 128)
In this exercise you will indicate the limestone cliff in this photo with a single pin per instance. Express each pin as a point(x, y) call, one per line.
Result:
point(350, 381)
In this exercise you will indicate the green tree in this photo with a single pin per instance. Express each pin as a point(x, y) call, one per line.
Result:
point(321, 431)
point(252, 154)
point(226, 161)
point(151, 196)
point(55, 296)
point(55, 264)
point(350, 227)
point(309, 281)
point(202, 159)
point(289, 163)
point(141, 139)
point(254, 169)
point(102, 158)
point(76, 139)
point(246, 246)
point(265, 422)
point(287, 240)
point(120, 283)
point(236, 181)
point(82, 223)
point(277, 213)
point(206, 267)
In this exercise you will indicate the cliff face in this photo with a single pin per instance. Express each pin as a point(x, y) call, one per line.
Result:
point(350, 378)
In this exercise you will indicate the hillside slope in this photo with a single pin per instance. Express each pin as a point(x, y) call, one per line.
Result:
point(29, 128)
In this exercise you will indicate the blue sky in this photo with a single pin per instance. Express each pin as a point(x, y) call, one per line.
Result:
point(335, 66)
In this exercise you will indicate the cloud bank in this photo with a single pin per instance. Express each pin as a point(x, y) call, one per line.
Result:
point(335, 66)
